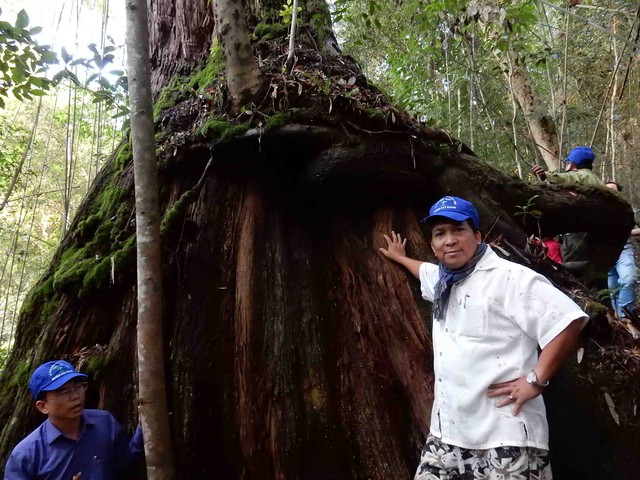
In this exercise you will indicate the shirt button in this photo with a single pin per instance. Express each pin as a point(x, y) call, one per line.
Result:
point(440, 353)
point(446, 329)
point(439, 379)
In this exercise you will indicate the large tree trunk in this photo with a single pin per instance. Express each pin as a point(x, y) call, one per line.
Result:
point(295, 349)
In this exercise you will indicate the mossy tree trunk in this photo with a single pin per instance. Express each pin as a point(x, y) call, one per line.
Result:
point(295, 350)
point(244, 79)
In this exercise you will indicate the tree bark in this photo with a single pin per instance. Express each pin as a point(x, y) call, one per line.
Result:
point(151, 360)
point(541, 125)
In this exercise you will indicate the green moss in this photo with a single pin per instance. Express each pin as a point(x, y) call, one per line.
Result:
point(277, 121)
point(176, 211)
point(99, 272)
point(96, 275)
point(213, 128)
point(212, 68)
point(169, 96)
point(71, 269)
point(102, 237)
point(44, 297)
point(38, 294)
point(126, 256)
point(235, 130)
point(49, 306)
point(375, 114)
point(217, 129)
point(269, 31)
point(109, 197)
point(23, 372)
point(87, 227)
point(596, 309)
point(124, 154)
point(96, 365)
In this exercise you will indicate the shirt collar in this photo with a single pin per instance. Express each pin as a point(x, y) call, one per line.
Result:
point(489, 260)
point(52, 433)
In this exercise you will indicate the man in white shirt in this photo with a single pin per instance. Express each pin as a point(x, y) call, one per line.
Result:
point(489, 316)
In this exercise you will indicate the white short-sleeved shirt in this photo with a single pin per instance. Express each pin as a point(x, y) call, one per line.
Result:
point(495, 319)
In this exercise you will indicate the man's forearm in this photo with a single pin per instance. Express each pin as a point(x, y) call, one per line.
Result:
point(410, 264)
point(557, 350)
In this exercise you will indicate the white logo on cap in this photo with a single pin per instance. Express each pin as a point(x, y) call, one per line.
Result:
point(444, 204)
point(58, 370)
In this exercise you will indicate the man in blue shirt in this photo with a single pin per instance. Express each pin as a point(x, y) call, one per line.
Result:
point(73, 443)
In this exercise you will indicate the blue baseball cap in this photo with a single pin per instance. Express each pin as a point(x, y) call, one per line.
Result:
point(581, 157)
point(454, 208)
point(51, 376)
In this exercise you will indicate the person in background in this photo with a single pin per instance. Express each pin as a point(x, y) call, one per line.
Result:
point(73, 442)
point(622, 278)
point(577, 170)
point(489, 317)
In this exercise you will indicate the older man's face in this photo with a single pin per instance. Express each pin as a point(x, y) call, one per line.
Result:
point(454, 243)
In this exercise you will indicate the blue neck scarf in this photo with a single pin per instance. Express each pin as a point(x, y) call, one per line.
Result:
point(448, 277)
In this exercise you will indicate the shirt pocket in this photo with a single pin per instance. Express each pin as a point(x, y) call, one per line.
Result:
point(474, 319)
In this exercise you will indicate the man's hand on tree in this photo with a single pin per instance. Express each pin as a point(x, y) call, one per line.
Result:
point(395, 246)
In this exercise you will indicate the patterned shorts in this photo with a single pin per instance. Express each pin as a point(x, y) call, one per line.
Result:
point(440, 461)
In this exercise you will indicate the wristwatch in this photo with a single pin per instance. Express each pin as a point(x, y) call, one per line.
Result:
point(532, 379)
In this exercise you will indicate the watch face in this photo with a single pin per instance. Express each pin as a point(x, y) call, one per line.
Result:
point(531, 378)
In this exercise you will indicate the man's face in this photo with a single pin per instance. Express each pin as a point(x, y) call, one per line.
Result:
point(65, 403)
point(454, 243)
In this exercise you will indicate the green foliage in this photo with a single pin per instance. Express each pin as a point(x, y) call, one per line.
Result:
point(528, 209)
point(5, 348)
point(10, 151)
point(112, 94)
point(22, 60)
point(286, 12)
point(444, 62)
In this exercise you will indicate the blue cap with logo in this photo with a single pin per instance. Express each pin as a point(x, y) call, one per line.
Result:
point(581, 157)
point(454, 208)
point(51, 376)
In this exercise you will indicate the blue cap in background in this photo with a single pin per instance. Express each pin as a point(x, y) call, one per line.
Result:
point(581, 157)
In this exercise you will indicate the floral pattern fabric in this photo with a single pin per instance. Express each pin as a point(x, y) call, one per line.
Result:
point(440, 461)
